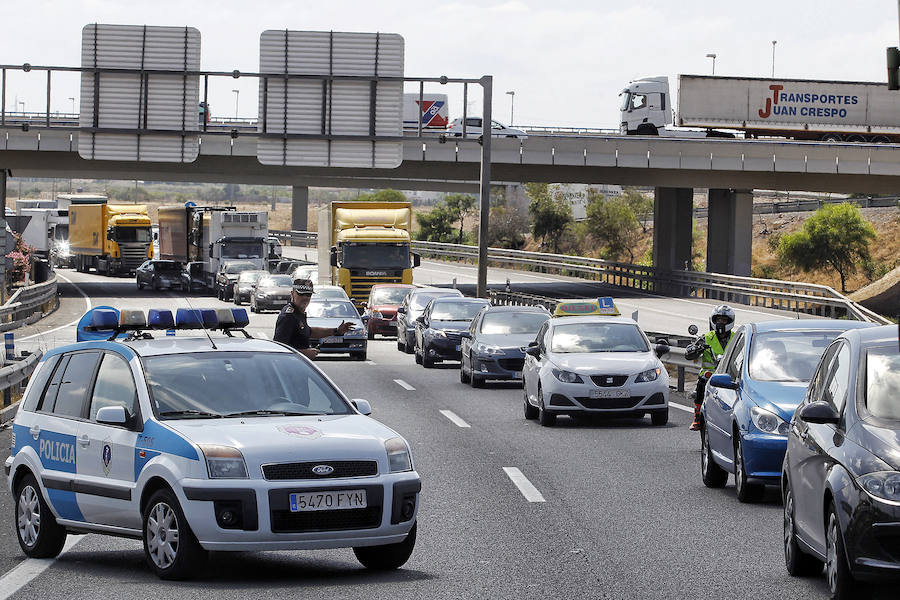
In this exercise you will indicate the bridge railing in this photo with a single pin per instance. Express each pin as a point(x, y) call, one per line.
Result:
point(809, 298)
point(26, 305)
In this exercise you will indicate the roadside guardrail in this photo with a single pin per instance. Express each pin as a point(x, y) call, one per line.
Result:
point(13, 375)
point(810, 298)
point(26, 305)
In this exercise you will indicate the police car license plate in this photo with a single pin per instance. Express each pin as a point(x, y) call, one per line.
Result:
point(338, 500)
point(332, 340)
point(620, 393)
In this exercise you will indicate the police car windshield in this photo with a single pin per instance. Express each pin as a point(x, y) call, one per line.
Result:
point(206, 384)
point(508, 323)
point(788, 355)
point(331, 309)
point(597, 337)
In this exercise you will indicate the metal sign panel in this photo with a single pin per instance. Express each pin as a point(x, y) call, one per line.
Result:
point(139, 105)
point(328, 109)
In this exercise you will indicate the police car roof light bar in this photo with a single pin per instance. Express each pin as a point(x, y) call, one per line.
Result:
point(160, 319)
point(103, 319)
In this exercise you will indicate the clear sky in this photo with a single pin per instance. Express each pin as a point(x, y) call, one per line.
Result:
point(566, 60)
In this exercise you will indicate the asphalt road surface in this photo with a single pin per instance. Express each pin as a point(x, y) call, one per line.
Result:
point(625, 514)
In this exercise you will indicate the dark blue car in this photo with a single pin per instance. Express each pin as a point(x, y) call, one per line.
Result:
point(439, 330)
point(752, 396)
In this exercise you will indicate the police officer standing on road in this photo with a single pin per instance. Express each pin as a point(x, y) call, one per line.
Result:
point(291, 327)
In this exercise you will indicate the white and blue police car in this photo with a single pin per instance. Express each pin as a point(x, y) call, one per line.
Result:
point(195, 444)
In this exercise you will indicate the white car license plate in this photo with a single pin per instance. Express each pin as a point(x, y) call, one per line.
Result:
point(517, 374)
point(457, 347)
point(620, 393)
point(340, 500)
point(332, 340)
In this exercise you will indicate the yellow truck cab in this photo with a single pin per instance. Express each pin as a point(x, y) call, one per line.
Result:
point(580, 307)
point(369, 243)
point(112, 238)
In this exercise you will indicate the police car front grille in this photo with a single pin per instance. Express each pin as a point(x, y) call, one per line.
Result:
point(609, 380)
point(303, 470)
point(285, 521)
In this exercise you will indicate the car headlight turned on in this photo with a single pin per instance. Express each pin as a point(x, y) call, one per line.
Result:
point(883, 485)
point(768, 422)
point(648, 375)
point(224, 462)
point(567, 376)
point(485, 349)
point(398, 455)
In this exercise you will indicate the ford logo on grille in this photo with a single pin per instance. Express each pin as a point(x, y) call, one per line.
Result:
point(323, 469)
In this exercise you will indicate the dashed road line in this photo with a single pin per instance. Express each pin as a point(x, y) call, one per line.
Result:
point(20, 575)
point(455, 419)
point(681, 407)
point(404, 385)
point(370, 362)
point(528, 490)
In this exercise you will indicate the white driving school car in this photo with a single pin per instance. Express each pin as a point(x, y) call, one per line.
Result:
point(594, 365)
point(204, 443)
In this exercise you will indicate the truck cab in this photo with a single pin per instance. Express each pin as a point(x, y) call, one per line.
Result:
point(645, 106)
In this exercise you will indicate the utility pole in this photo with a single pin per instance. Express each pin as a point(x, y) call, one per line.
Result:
point(773, 56)
point(712, 55)
point(487, 83)
point(512, 103)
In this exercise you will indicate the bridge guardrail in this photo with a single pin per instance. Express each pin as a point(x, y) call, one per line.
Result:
point(820, 300)
point(25, 305)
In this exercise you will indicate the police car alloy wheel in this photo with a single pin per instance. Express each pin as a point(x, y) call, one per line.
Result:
point(36, 528)
point(389, 556)
point(171, 549)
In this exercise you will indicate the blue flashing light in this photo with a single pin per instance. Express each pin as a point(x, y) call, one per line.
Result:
point(210, 320)
point(104, 319)
point(188, 318)
point(160, 319)
point(241, 319)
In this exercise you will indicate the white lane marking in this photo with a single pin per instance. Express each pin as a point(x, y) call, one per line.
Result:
point(87, 303)
point(528, 490)
point(681, 407)
point(454, 418)
point(404, 385)
point(24, 572)
point(370, 362)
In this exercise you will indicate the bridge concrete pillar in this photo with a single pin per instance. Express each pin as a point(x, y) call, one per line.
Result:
point(673, 210)
point(299, 207)
point(729, 240)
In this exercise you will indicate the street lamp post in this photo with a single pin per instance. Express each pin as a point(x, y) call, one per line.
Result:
point(512, 101)
point(773, 56)
point(712, 55)
point(237, 95)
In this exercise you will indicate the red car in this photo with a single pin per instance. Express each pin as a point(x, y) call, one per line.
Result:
point(381, 309)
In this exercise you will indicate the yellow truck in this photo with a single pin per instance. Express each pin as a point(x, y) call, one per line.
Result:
point(368, 243)
point(111, 238)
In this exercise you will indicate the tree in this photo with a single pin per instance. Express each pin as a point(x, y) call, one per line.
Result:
point(641, 205)
point(434, 226)
point(458, 207)
point(382, 196)
point(836, 236)
point(507, 226)
point(611, 221)
point(551, 214)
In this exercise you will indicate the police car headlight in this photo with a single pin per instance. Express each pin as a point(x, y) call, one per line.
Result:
point(567, 376)
point(224, 462)
point(648, 375)
point(398, 455)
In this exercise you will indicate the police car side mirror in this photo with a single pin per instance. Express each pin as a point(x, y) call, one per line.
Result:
point(362, 406)
point(112, 415)
point(533, 350)
point(820, 413)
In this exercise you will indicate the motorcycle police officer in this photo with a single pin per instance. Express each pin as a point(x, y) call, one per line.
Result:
point(291, 327)
point(710, 349)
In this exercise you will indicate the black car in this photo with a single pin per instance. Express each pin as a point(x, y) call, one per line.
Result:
point(841, 475)
point(439, 330)
point(410, 310)
point(270, 292)
point(494, 345)
point(227, 276)
point(192, 277)
point(243, 287)
point(158, 274)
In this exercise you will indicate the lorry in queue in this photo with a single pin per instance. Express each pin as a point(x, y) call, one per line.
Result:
point(47, 231)
point(213, 236)
point(801, 109)
point(111, 238)
point(367, 243)
point(432, 110)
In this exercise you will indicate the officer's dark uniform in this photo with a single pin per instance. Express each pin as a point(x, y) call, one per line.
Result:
point(291, 328)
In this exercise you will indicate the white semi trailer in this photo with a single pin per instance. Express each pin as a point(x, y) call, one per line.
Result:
point(800, 109)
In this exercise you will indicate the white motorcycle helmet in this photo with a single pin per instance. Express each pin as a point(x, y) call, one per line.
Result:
point(721, 320)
